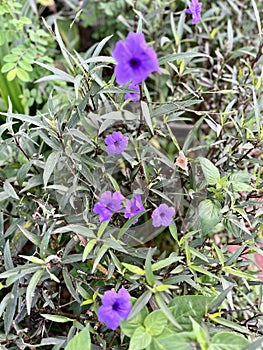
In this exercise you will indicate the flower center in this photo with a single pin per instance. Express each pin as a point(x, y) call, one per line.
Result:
point(134, 62)
point(162, 215)
point(115, 306)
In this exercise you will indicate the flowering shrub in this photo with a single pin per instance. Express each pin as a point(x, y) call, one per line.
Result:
point(122, 195)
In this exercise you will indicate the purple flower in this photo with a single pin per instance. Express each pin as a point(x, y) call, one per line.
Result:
point(116, 142)
point(195, 11)
point(162, 215)
point(114, 307)
point(135, 60)
point(133, 206)
point(134, 95)
point(108, 204)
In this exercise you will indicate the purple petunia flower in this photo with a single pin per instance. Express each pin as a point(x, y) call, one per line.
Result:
point(108, 204)
point(114, 307)
point(116, 143)
point(162, 215)
point(135, 60)
point(135, 96)
point(195, 11)
point(133, 206)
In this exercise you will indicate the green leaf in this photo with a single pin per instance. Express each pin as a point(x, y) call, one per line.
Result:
point(22, 74)
point(180, 56)
point(211, 172)
point(241, 176)
point(59, 74)
point(50, 166)
point(30, 236)
point(195, 252)
point(129, 223)
point(33, 259)
point(100, 45)
point(209, 214)
point(113, 244)
point(147, 116)
point(114, 183)
point(231, 325)
point(20, 271)
point(31, 288)
point(134, 269)
point(201, 334)
point(11, 75)
point(162, 305)
point(228, 341)
point(99, 256)
point(129, 327)
point(166, 262)
point(155, 322)
point(169, 340)
point(233, 271)
point(69, 284)
point(25, 20)
point(57, 318)
point(140, 303)
point(9, 189)
point(186, 306)
point(11, 308)
point(78, 229)
point(173, 231)
point(257, 15)
point(7, 67)
point(88, 248)
point(80, 340)
point(148, 268)
point(102, 228)
point(220, 299)
point(140, 339)
point(203, 271)
point(8, 257)
point(35, 120)
point(25, 65)
point(11, 58)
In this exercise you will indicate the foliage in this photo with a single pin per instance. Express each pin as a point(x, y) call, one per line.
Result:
point(22, 41)
point(188, 287)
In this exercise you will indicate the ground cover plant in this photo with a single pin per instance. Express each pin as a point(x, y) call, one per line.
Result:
point(131, 182)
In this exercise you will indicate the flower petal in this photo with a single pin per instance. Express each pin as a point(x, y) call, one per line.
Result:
point(109, 298)
point(109, 316)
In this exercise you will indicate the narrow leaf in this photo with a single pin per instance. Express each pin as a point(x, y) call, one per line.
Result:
point(31, 288)
point(50, 166)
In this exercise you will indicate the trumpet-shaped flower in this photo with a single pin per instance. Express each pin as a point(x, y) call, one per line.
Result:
point(182, 162)
point(108, 204)
point(116, 143)
point(195, 11)
point(133, 206)
point(162, 215)
point(135, 60)
point(114, 307)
